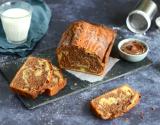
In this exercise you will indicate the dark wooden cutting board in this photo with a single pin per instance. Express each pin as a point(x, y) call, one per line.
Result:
point(74, 84)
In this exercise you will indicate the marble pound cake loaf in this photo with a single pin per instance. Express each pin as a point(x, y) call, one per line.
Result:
point(35, 77)
point(115, 103)
point(85, 47)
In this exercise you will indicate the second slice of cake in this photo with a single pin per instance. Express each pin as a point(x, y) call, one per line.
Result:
point(57, 83)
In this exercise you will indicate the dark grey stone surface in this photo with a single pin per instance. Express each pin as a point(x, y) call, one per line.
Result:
point(74, 110)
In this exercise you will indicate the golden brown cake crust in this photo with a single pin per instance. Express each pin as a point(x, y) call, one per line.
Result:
point(115, 103)
point(92, 42)
point(85, 35)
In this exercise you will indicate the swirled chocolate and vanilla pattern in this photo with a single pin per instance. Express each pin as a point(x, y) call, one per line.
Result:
point(115, 103)
point(57, 83)
point(33, 77)
point(37, 76)
point(85, 47)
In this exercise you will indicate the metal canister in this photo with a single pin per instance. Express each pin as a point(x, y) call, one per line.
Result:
point(139, 20)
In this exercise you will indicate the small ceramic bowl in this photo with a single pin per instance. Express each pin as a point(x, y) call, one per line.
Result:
point(130, 57)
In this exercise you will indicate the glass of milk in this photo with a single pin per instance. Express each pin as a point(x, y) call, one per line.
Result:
point(16, 20)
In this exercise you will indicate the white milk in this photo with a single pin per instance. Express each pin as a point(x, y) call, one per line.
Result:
point(16, 24)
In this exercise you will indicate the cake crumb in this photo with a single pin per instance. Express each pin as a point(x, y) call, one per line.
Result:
point(126, 119)
point(75, 84)
point(141, 115)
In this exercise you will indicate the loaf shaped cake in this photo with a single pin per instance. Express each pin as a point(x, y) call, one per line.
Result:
point(85, 47)
point(35, 77)
point(115, 103)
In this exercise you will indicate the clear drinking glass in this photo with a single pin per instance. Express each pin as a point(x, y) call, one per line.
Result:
point(16, 19)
